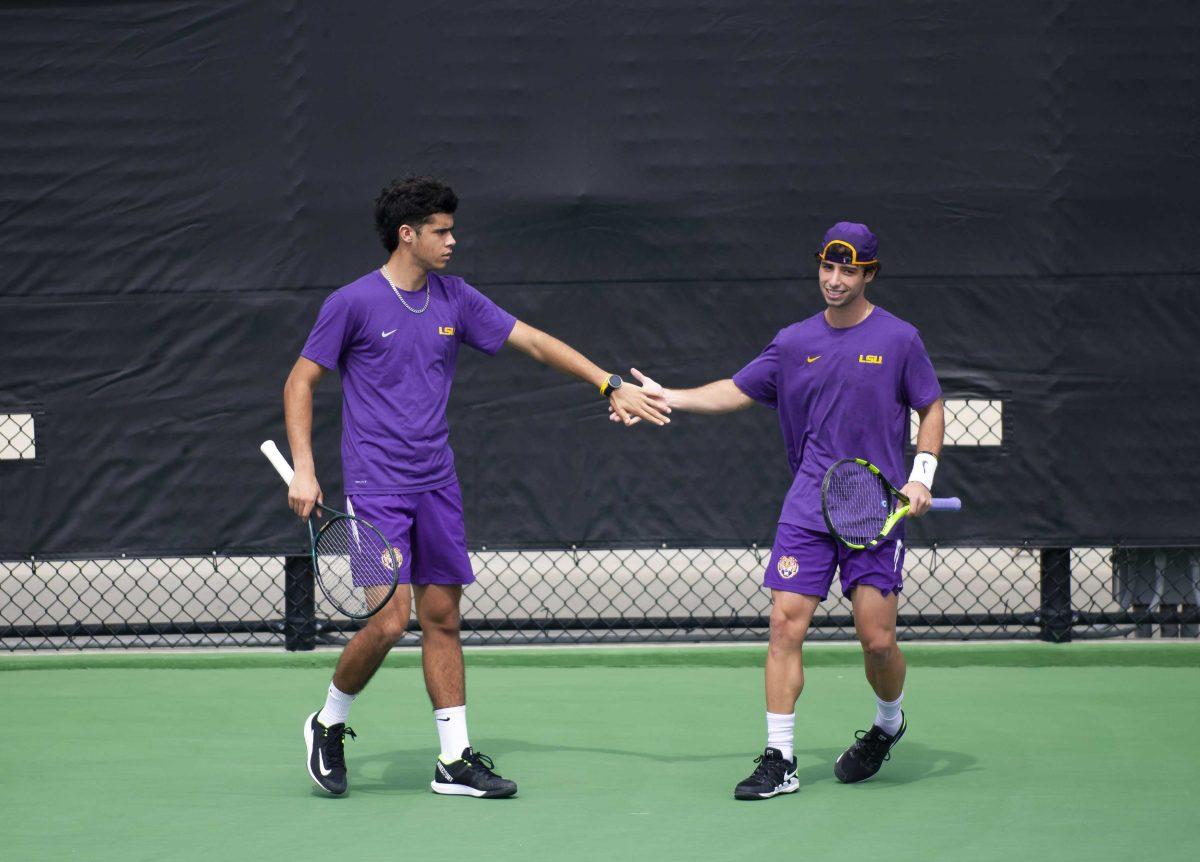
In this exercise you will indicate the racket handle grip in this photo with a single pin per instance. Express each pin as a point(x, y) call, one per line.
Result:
point(946, 504)
point(277, 460)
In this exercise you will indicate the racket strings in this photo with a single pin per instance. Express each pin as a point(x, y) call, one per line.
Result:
point(355, 566)
point(857, 502)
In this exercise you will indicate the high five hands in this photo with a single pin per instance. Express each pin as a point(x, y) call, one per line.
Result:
point(651, 397)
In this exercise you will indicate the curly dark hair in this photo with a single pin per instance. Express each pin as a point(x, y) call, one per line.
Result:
point(411, 201)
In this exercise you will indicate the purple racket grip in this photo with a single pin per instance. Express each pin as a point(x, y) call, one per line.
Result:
point(946, 504)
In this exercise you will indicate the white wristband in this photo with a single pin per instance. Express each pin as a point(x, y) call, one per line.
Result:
point(924, 466)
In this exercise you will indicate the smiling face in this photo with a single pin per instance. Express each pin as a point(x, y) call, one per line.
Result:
point(843, 284)
point(431, 243)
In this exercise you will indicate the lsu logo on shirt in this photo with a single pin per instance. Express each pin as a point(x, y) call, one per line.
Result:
point(871, 358)
point(386, 559)
point(445, 330)
point(787, 567)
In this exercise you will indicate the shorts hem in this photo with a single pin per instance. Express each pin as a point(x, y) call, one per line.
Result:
point(796, 590)
point(866, 582)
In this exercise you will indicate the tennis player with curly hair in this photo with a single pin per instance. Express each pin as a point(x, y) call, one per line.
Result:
point(393, 336)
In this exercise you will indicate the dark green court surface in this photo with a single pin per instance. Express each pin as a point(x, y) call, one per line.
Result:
point(1081, 751)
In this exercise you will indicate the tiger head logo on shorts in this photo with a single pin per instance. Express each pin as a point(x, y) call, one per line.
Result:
point(386, 559)
point(787, 567)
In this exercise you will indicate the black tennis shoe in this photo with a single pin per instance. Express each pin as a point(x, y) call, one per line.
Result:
point(772, 776)
point(871, 749)
point(326, 756)
point(471, 775)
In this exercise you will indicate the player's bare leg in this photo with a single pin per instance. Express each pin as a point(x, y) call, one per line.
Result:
point(325, 730)
point(875, 623)
point(775, 769)
point(371, 644)
point(459, 770)
point(441, 644)
point(791, 615)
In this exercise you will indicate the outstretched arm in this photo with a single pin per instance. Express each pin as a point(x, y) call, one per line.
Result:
point(720, 396)
point(629, 403)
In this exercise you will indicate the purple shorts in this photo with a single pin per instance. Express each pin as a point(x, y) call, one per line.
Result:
point(426, 529)
point(803, 561)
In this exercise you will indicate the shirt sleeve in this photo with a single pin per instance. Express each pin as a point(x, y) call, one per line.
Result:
point(759, 379)
point(919, 381)
point(483, 324)
point(330, 334)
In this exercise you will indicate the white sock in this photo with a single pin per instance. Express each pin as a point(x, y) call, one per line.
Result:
point(337, 707)
point(780, 730)
point(452, 731)
point(887, 714)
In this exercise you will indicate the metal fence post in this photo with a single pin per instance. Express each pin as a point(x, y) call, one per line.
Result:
point(299, 604)
point(1055, 613)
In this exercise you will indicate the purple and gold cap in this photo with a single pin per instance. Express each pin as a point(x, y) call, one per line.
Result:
point(849, 243)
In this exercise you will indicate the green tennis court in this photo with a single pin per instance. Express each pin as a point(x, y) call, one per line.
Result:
point(1085, 751)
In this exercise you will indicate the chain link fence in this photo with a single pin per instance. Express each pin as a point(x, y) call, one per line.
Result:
point(600, 595)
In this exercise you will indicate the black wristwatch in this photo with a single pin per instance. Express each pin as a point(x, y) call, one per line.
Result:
point(612, 382)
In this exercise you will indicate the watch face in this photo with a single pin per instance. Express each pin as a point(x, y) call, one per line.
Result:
point(614, 381)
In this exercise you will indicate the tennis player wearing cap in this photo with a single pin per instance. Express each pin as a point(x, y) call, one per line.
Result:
point(843, 382)
point(393, 336)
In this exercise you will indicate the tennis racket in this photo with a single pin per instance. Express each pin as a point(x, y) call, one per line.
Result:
point(355, 566)
point(861, 507)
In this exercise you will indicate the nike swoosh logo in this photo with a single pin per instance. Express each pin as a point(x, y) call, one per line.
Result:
point(386, 334)
point(443, 719)
point(813, 359)
point(321, 764)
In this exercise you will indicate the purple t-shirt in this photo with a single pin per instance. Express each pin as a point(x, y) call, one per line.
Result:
point(396, 369)
point(841, 393)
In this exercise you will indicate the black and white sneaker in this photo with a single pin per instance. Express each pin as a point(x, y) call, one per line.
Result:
point(871, 749)
point(326, 757)
point(772, 776)
point(471, 775)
